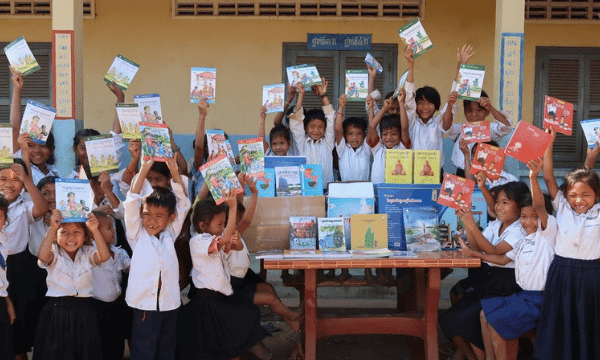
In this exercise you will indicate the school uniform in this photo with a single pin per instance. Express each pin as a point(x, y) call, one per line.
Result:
point(6, 336)
point(36, 173)
point(154, 267)
point(68, 323)
point(243, 279)
point(569, 325)
point(514, 315)
point(504, 179)
point(498, 130)
point(378, 168)
point(215, 324)
point(354, 164)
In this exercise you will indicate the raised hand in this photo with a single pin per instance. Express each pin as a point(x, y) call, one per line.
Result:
point(464, 54)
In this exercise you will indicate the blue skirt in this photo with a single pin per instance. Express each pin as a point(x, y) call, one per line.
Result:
point(514, 315)
point(569, 326)
point(6, 340)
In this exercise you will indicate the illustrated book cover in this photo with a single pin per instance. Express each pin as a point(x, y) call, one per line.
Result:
point(331, 234)
point(287, 179)
point(121, 72)
point(20, 57)
point(426, 166)
point(421, 227)
point(307, 74)
point(150, 109)
point(414, 35)
point(303, 233)
point(489, 159)
point(102, 154)
point(398, 166)
point(558, 115)
point(6, 145)
point(470, 81)
point(345, 207)
point(591, 130)
point(266, 183)
point(311, 176)
point(456, 191)
point(273, 97)
point(219, 145)
point(356, 85)
point(527, 142)
point(369, 232)
point(37, 121)
point(156, 141)
point(74, 199)
point(372, 62)
point(252, 156)
point(476, 131)
point(400, 85)
point(203, 84)
point(219, 176)
point(130, 118)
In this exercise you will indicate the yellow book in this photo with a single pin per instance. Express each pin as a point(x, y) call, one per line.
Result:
point(398, 166)
point(427, 167)
point(369, 232)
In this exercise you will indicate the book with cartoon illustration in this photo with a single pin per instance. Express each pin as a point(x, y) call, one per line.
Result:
point(489, 159)
point(456, 191)
point(356, 85)
point(426, 166)
point(130, 118)
point(307, 74)
point(303, 233)
point(219, 176)
point(311, 176)
point(527, 142)
point(414, 35)
point(219, 145)
point(470, 81)
point(150, 109)
point(20, 57)
point(6, 145)
point(591, 130)
point(156, 141)
point(37, 121)
point(372, 62)
point(331, 234)
point(476, 131)
point(266, 183)
point(398, 166)
point(400, 85)
point(421, 228)
point(558, 115)
point(102, 154)
point(287, 180)
point(74, 199)
point(369, 232)
point(273, 98)
point(203, 84)
point(121, 72)
point(252, 156)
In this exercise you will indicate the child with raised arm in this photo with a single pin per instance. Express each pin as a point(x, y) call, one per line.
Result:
point(393, 109)
point(280, 140)
point(153, 222)
point(351, 144)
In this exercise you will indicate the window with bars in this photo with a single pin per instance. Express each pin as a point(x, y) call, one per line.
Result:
point(562, 9)
point(37, 85)
point(38, 8)
point(573, 75)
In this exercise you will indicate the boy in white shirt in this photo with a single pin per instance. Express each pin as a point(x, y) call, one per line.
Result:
point(350, 142)
point(153, 223)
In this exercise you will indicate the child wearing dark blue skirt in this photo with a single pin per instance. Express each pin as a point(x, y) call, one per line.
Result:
point(7, 310)
point(569, 326)
point(68, 326)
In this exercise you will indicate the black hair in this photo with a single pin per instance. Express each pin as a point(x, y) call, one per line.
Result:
point(162, 197)
point(240, 207)
point(467, 103)
point(80, 136)
point(4, 203)
point(389, 95)
point(357, 122)
point(204, 211)
point(101, 215)
point(582, 174)
point(515, 191)
point(526, 200)
point(50, 145)
point(280, 130)
point(206, 146)
point(161, 168)
point(390, 121)
point(430, 94)
point(313, 114)
point(45, 181)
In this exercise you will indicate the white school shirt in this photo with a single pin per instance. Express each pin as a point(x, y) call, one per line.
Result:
point(210, 271)
point(498, 130)
point(319, 151)
point(355, 164)
point(504, 179)
point(108, 275)
point(578, 234)
point(37, 232)
point(36, 173)
point(4, 253)
point(378, 168)
point(513, 235)
point(147, 189)
point(67, 277)
point(153, 257)
point(534, 255)
point(238, 261)
point(20, 216)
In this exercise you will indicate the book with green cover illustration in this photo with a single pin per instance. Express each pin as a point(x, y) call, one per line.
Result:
point(6, 145)
point(414, 35)
point(369, 232)
point(20, 57)
point(102, 154)
point(331, 234)
point(252, 156)
point(356, 85)
point(130, 118)
point(398, 166)
point(121, 72)
point(469, 82)
point(219, 176)
point(427, 167)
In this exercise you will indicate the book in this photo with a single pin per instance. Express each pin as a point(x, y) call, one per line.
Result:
point(150, 109)
point(414, 35)
point(37, 121)
point(311, 179)
point(20, 57)
point(476, 131)
point(269, 254)
point(372, 62)
point(398, 166)
point(527, 142)
point(400, 85)
point(203, 84)
point(345, 207)
point(219, 176)
point(370, 253)
point(6, 143)
point(272, 162)
point(469, 82)
point(252, 156)
point(266, 183)
point(130, 118)
point(273, 98)
point(287, 179)
point(591, 130)
point(369, 232)
point(102, 154)
point(121, 72)
point(219, 145)
point(421, 227)
point(558, 115)
point(456, 191)
point(302, 254)
point(331, 234)
point(74, 198)
point(337, 255)
point(489, 159)
point(156, 141)
point(401, 254)
point(303, 233)
point(426, 166)
point(308, 75)
point(356, 85)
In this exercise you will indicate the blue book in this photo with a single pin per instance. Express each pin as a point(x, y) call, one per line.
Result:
point(311, 179)
point(272, 162)
point(266, 183)
point(345, 207)
point(74, 199)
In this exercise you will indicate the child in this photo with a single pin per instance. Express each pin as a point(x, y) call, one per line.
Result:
point(350, 142)
point(569, 321)
point(313, 132)
point(68, 327)
point(153, 222)
point(215, 324)
point(280, 141)
point(7, 310)
point(461, 322)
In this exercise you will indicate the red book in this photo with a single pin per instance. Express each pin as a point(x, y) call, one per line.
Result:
point(558, 115)
point(489, 159)
point(456, 191)
point(477, 131)
point(527, 142)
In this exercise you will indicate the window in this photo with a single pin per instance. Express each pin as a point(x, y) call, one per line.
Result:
point(561, 10)
point(573, 75)
point(38, 9)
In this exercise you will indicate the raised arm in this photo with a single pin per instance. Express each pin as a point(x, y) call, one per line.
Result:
point(45, 254)
point(485, 102)
point(180, 160)
point(231, 201)
point(339, 129)
point(372, 136)
point(15, 105)
point(320, 91)
point(116, 125)
point(290, 97)
point(107, 187)
point(404, 127)
point(476, 237)
point(175, 174)
point(462, 57)
point(40, 206)
point(537, 197)
point(410, 60)
point(261, 127)
point(548, 167)
point(591, 155)
point(135, 148)
point(251, 208)
point(448, 115)
point(25, 141)
point(102, 254)
point(138, 183)
point(199, 136)
point(372, 76)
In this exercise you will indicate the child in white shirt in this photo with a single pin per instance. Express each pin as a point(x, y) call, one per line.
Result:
point(351, 144)
point(280, 140)
point(7, 310)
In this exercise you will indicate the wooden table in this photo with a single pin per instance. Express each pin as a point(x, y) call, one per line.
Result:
point(421, 323)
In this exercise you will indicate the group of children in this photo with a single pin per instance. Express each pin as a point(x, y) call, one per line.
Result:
point(539, 270)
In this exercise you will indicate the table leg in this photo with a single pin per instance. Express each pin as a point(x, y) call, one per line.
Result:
point(310, 314)
point(431, 314)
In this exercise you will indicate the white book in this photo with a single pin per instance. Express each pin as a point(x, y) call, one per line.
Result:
point(121, 72)
point(273, 97)
point(150, 109)
point(203, 84)
point(37, 121)
point(130, 118)
point(20, 57)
